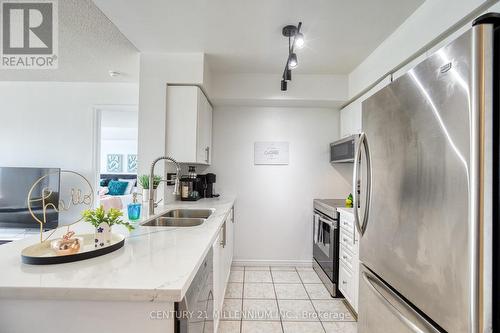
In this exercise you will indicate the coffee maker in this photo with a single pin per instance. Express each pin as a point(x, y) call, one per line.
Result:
point(205, 185)
point(190, 186)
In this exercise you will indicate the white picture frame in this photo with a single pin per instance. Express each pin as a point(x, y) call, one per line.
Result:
point(271, 153)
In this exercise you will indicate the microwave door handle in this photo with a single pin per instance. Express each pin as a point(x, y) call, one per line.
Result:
point(362, 143)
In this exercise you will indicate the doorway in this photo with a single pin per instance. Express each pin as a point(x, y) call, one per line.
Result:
point(116, 142)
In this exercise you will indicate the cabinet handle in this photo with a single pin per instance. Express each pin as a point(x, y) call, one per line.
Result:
point(344, 282)
point(223, 241)
point(207, 151)
point(345, 257)
point(354, 235)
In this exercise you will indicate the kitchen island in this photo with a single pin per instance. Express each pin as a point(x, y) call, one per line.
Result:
point(133, 289)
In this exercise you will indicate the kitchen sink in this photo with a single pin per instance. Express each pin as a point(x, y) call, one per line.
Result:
point(174, 222)
point(188, 213)
point(180, 218)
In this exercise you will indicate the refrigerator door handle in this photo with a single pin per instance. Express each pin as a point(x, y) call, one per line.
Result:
point(400, 308)
point(357, 157)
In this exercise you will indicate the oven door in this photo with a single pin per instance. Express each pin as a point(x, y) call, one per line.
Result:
point(325, 244)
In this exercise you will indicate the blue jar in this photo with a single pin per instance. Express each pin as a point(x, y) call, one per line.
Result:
point(134, 211)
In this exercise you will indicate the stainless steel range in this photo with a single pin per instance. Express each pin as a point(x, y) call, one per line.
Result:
point(326, 242)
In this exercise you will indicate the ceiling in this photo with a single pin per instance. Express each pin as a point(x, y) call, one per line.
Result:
point(90, 46)
point(242, 36)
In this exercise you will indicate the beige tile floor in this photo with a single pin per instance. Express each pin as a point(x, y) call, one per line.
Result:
point(263, 299)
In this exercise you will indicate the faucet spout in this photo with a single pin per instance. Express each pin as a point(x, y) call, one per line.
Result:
point(151, 202)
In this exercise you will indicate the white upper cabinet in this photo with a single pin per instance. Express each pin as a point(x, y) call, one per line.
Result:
point(351, 115)
point(189, 125)
point(350, 119)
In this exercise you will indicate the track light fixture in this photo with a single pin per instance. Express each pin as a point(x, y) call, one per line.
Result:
point(292, 61)
point(291, 32)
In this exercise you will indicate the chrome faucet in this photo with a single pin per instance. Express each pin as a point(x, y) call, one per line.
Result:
point(152, 203)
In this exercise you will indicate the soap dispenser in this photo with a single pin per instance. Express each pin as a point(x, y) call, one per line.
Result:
point(134, 208)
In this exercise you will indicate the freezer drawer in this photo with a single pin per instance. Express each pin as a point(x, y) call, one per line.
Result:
point(383, 311)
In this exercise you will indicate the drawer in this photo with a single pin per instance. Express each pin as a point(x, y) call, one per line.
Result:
point(346, 221)
point(347, 241)
point(347, 258)
point(346, 284)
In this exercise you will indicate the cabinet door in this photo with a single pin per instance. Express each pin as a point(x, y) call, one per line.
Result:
point(181, 128)
point(229, 240)
point(346, 283)
point(218, 291)
point(204, 130)
point(350, 119)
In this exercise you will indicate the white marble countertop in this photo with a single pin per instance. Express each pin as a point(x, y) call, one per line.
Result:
point(155, 264)
point(346, 210)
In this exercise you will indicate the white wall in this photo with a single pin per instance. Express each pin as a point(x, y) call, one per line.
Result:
point(274, 203)
point(157, 70)
point(430, 20)
point(51, 123)
point(265, 90)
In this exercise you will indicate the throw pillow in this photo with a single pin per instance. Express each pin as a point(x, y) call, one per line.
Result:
point(116, 187)
point(131, 184)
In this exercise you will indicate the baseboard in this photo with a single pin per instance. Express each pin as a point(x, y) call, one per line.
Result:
point(254, 262)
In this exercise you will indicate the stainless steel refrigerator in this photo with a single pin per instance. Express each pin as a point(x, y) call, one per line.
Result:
point(427, 168)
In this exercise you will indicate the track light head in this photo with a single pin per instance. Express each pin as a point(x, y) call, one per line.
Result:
point(292, 61)
point(284, 85)
point(299, 40)
point(288, 75)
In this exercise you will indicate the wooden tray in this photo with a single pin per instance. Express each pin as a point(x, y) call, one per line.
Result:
point(42, 254)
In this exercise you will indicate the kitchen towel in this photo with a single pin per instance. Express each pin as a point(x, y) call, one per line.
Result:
point(316, 229)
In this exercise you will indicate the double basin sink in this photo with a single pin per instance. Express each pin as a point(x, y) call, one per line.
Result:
point(180, 218)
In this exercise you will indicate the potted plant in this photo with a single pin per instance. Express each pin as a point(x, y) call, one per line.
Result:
point(103, 221)
point(144, 182)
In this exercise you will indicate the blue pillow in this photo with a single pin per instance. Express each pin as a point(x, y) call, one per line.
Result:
point(116, 187)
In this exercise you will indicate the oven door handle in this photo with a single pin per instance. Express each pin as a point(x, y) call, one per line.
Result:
point(330, 223)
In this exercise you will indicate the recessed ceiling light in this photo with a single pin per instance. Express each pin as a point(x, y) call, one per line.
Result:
point(114, 73)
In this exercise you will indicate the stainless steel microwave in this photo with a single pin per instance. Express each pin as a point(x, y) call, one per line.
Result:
point(342, 151)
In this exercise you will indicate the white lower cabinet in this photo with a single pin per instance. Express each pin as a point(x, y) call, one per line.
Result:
point(349, 259)
point(223, 257)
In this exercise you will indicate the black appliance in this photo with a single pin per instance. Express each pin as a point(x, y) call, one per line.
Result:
point(206, 185)
point(15, 184)
point(326, 242)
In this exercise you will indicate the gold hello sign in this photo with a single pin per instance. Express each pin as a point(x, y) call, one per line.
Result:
point(77, 197)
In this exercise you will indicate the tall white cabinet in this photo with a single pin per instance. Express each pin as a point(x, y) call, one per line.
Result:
point(189, 125)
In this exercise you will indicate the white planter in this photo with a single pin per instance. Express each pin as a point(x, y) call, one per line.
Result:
point(145, 195)
point(102, 235)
